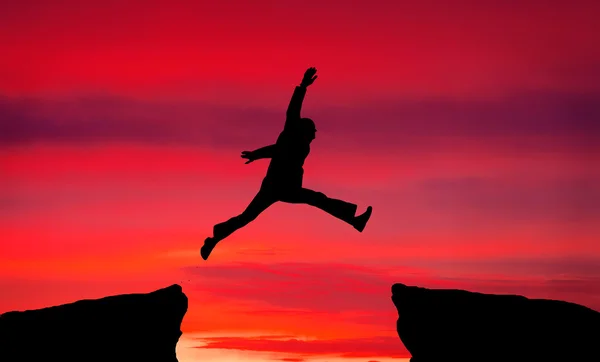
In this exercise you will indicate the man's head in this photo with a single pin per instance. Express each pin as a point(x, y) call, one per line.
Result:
point(307, 128)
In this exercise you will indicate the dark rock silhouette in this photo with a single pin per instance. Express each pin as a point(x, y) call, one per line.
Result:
point(457, 325)
point(131, 327)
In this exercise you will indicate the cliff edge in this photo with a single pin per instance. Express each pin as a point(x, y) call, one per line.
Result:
point(438, 325)
point(129, 327)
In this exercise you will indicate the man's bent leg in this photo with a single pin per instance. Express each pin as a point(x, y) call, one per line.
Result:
point(260, 203)
point(340, 209)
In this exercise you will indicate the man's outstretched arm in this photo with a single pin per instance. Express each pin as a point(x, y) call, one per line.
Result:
point(263, 152)
point(293, 111)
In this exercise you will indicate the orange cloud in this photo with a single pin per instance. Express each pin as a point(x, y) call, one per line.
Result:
point(346, 348)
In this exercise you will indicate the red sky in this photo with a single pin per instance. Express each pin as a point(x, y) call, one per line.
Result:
point(470, 126)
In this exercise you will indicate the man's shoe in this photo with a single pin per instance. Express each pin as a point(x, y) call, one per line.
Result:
point(360, 221)
point(207, 248)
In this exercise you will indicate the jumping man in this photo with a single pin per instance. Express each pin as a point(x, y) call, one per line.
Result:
point(283, 181)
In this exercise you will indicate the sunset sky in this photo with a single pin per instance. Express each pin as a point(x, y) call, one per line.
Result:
point(471, 127)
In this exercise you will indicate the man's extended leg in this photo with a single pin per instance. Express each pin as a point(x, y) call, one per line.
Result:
point(260, 203)
point(340, 209)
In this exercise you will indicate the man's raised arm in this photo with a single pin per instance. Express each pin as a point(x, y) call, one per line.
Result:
point(293, 111)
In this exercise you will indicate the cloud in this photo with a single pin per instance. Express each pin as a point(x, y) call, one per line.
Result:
point(527, 121)
point(520, 114)
point(384, 346)
point(116, 119)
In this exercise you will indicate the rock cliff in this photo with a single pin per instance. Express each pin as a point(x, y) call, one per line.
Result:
point(438, 325)
point(130, 327)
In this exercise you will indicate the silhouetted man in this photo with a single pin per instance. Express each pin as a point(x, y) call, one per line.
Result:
point(283, 181)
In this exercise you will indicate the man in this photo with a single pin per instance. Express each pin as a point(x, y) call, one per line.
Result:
point(283, 181)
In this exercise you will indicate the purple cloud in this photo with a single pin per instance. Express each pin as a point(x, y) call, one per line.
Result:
point(563, 120)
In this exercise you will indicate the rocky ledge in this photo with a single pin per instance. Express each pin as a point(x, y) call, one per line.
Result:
point(130, 327)
point(438, 325)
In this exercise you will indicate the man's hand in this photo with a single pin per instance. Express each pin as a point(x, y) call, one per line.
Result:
point(249, 155)
point(309, 77)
